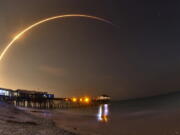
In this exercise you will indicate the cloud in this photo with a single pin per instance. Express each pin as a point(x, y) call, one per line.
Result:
point(55, 71)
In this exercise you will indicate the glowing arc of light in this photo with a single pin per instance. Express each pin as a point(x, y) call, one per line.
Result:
point(46, 20)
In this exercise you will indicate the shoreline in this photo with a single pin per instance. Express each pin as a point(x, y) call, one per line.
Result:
point(70, 122)
point(15, 121)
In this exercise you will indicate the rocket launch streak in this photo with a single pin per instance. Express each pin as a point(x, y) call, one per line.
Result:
point(46, 20)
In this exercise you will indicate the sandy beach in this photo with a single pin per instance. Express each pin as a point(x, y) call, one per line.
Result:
point(73, 122)
point(17, 122)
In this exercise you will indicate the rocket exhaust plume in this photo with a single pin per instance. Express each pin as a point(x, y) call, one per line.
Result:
point(47, 20)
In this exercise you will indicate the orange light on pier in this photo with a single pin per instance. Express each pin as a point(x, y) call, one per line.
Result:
point(86, 99)
point(74, 99)
point(81, 100)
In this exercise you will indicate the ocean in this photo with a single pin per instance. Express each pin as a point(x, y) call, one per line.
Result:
point(157, 116)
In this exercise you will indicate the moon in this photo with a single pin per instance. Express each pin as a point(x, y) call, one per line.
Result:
point(11, 43)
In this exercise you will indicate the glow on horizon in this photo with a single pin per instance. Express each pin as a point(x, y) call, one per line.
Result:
point(46, 20)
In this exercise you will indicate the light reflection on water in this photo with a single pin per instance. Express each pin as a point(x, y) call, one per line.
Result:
point(103, 113)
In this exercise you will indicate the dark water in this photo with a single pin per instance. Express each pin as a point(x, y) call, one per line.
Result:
point(100, 120)
point(151, 116)
point(157, 116)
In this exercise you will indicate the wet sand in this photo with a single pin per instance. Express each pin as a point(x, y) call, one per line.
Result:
point(74, 122)
point(17, 122)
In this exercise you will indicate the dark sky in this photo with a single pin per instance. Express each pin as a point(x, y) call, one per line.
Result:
point(79, 56)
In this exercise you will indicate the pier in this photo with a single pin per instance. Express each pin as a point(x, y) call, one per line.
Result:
point(44, 100)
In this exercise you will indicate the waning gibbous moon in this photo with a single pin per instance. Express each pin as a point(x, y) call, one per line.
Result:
point(47, 20)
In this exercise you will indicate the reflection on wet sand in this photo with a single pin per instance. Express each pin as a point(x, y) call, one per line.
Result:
point(103, 113)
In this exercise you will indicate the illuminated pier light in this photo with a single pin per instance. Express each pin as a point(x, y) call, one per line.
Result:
point(86, 99)
point(74, 99)
point(81, 100)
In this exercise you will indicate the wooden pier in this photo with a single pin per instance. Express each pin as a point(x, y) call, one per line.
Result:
point(44, 100)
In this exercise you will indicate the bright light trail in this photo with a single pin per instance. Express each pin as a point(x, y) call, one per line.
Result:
point(46, 20)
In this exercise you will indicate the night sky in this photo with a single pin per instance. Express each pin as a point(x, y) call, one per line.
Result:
point(80, 56)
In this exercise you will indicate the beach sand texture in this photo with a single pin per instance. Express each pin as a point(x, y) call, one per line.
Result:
point(18, 122)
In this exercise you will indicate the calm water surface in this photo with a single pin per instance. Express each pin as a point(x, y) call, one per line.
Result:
point(142, 117)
